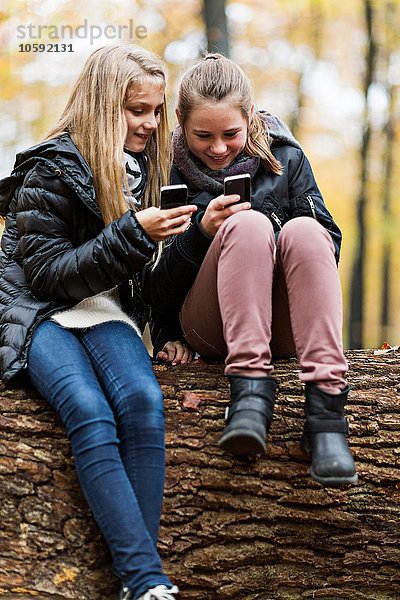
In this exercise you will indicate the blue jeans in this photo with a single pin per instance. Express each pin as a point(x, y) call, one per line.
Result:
point(101, 382)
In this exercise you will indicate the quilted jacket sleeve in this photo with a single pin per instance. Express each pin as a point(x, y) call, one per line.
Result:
point(56, 269)
point(306, 198)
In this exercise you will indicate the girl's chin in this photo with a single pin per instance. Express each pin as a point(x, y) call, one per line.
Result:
point(137, 144)
point(216, 165)
point(137, 147)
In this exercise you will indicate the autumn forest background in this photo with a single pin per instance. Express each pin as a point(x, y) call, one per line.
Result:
point(330, 70)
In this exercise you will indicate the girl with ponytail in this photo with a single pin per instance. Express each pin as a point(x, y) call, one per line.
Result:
point(252, 281)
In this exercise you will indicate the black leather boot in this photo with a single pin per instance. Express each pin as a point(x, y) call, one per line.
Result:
point(325, 437)
point(249, 415)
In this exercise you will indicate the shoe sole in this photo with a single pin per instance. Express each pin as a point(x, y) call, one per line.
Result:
point(242, 443)
point(334, 481)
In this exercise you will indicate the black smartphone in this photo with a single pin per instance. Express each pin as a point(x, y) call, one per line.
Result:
point(238, 184)
point(172, 196)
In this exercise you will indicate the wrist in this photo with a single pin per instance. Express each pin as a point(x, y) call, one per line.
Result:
point(205, 231)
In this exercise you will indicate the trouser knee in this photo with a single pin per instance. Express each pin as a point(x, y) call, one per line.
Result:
point(245, 223)
point(144, 405)
point(304, 234)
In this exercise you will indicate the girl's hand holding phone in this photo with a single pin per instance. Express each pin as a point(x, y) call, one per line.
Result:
point(220, 209)
point(159, 224)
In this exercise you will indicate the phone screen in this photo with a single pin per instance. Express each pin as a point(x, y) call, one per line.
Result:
point(238, 184)
point(173, 196)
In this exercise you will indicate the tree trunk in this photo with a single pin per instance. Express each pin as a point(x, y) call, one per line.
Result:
point(243, 529)
point(356, 319)
point(216, 26)
point(391, 23)
point(307, 64)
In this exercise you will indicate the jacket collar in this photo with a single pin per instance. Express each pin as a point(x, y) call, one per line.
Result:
point(278, 131)
point(58, 156)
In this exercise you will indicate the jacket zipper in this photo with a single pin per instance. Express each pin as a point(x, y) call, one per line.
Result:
point(277, 220)
point(130, 281)
point(312, 206)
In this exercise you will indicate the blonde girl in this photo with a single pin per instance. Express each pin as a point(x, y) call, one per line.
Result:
point(81, 221)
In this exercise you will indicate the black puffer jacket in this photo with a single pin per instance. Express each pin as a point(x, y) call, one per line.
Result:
point(280, 197)
point(56, 250)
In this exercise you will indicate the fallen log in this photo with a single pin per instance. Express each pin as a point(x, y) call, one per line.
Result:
point(232, 528)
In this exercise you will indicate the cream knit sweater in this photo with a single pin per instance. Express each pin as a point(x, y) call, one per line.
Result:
point(93, 311)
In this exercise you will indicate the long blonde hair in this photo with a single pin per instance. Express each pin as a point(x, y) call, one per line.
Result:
point(94, 117)
point(215, 78)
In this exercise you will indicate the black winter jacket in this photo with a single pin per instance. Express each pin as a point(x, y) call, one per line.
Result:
point(280, 197)
point(56, 250)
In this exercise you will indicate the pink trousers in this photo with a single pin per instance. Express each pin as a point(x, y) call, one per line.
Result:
point(254, 300)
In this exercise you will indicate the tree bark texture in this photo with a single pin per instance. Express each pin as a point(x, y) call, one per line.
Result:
point(244, 529)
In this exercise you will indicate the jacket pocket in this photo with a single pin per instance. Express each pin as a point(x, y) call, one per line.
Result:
point(310, 205)
point(271, 209)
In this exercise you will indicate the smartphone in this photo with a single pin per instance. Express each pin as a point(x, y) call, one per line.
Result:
point(238, 184)
point(172, 196)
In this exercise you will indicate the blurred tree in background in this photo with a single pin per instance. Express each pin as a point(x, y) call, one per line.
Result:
point(217, 33)
point(356, 313)
point(330, 70)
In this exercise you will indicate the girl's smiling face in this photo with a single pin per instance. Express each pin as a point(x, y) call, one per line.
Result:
point(216, 133)
point(142, 111)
